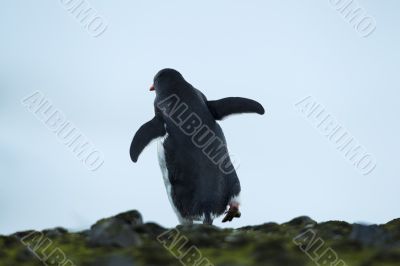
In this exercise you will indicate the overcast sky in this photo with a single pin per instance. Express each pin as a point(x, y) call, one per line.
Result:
point(276, 52)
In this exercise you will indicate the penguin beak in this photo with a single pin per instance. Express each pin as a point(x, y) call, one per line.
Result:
point(152, 88)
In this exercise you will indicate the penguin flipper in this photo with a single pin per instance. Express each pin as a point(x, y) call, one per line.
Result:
point(146, 133)
point(234, 105)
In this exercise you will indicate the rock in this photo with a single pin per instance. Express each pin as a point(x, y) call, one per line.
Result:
point(209, 229)
point(371, 235)
point(149, 229)
point(334, 230)
point(117, 231)
point(114, 260)
point(25, 255)
point(11, 242)
point(266, 228)
point(56, 232)
point(302, 221)
point(238, 239)
point(132, 217)
point(113, 233)
point(275, 252)
point(124, 240)
point(393, 227)
point(202, 235)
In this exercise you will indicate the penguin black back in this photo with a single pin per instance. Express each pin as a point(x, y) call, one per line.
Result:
point(200, 178)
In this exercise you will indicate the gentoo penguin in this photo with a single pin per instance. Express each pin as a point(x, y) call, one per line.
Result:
point(200, 178)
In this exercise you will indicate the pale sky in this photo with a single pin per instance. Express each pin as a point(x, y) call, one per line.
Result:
point(276, 52)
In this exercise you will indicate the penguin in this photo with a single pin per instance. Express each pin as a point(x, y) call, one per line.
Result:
point(199, 176)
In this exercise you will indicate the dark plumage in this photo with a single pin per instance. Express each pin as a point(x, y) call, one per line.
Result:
point(200, 179)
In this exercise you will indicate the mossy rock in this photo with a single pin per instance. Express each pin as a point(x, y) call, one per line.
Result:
point(124, 240)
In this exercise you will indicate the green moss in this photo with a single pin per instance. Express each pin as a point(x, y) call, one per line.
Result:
point(267, 244)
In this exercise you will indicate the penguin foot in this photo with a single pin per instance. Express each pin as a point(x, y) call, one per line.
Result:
point(233, 212)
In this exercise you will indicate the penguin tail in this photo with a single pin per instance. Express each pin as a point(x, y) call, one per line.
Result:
point(204, 208)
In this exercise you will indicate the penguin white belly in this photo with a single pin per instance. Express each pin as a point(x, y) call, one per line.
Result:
point(165, 174)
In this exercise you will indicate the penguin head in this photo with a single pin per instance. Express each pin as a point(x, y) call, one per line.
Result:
point(166, 79)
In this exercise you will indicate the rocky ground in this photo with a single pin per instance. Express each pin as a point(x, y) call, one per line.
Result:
point(125, 240)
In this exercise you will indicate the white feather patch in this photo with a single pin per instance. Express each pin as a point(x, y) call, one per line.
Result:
point(235, 200)
point(165, 174)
